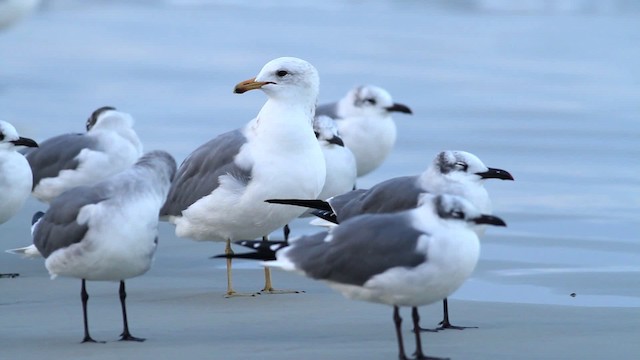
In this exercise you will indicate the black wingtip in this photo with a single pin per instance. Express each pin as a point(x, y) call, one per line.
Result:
point(313, 204)
point(36, 217)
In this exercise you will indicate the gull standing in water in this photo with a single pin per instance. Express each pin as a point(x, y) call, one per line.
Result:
point(365, 124)
point(108, 231)
point(220, 189)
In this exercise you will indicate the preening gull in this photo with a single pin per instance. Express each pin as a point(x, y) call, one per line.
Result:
point(108, 231)
point(451, 172)
point(364, 121)
point(109, 146)
point(220, 189)
point(409, 258)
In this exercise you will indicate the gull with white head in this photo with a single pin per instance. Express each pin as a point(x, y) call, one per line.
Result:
point(365, 124)
point(451, 172)
point(409, 258)
point(220, 190)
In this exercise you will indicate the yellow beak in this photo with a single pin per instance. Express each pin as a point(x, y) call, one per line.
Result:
point(248, 85)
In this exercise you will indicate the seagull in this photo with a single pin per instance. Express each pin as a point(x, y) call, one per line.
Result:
point(108, 231)
point(408, 258)
point(220, 188)
point(15, 174)
point(11, 11)
point(451, 172)
point(364, 121)
point(339, 161)
point(109, 146)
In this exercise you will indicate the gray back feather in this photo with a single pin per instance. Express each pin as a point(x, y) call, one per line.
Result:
point(58, 228)
point(199, 174)
point(389, 196)
point(330, 110)
point(361, 248)
point(57, 154)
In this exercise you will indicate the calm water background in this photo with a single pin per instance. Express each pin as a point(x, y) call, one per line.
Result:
point(549, 90)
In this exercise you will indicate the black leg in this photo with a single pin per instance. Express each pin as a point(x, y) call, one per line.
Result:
point(445, 324)
point(85, 298)
point(397, 320)
point(419, 355)
point(286, 231)
point(126, 335)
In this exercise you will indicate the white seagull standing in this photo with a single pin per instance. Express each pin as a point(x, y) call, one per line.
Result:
point(15, 173)
point(410, 258)
point(451, 172)
point(109, 146)
point(365, 124)
point(11, 11)
point(339, 161)
point(108, 231)
point(220, 190)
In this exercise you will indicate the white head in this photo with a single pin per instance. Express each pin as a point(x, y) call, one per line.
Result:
point(326, 131)
point(108, 116)
point(286, 78)
point(455, 209)
point(460, 167)
point(369, 100)
point(9, 137)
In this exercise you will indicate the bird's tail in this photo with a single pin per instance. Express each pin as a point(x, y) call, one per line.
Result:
point(265, 250)
point(26, 252)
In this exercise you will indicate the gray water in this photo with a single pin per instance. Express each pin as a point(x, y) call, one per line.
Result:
point(547, 90)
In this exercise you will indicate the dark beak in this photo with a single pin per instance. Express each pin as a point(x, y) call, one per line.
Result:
point(25, 142)
point(336, 140)
point(399, 108)
point(489, 220)
point(493, 173)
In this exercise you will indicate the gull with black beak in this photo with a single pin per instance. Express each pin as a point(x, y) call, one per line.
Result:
point(451, 172)
point(15, 173)
point(220, 190)
point(409, 258)
point(365, 124)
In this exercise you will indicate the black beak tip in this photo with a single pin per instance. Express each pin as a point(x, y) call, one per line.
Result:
point(23, 141)
point(400, 108)
point(336, 140)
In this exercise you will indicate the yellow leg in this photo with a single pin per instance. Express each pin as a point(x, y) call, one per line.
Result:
point(268, 287)
point(230, 291)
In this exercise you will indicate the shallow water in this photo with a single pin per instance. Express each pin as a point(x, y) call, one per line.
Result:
point(549, 93)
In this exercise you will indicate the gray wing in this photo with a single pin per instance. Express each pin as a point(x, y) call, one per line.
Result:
point(199, 174)
point(58, 227)
point(361, 248)
point(57, 154)
point(389, 196)
point(330, 110)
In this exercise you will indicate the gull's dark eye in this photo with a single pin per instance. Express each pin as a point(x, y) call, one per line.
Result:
point(370, 101)
point(282, 73)
point(462, 165)
point(457, 214)
point(317, 134)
